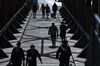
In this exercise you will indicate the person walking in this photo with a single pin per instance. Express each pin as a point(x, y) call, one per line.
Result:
point(32, 55)
point(63, 29)
point(47, 11)
point(43, 10)
point(63, 54)
point(54, 9)
point(17, 55)
point(34, 9)
point(53, 32)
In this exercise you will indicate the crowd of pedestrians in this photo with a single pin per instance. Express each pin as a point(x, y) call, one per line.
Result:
point(18, 56)
point(45, 10)
point(63, 52)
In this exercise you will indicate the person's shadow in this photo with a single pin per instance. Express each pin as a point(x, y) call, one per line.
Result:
point(53, 47)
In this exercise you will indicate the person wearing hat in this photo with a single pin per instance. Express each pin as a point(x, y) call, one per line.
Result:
point(32, 55)
point(17, 55)
point(63, 54)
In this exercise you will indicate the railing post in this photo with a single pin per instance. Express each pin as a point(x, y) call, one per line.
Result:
point(42, 46)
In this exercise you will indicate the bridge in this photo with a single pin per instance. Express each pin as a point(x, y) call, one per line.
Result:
point(81, 17)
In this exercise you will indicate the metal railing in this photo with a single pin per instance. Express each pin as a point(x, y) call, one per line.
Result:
point(78, 26)
point(76, 22)
point(13, 18)
point(22, 12)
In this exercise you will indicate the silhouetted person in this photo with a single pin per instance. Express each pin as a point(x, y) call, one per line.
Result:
point(34, 9)
point(17, 55)
point(53, 32)
point(47, 11)
point(32, 55)
point(63, 54)
point(43, 10)
point(54, 9)
point(63, 29)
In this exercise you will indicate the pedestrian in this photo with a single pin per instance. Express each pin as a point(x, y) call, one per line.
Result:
point(54, 9)
point(53, 32)
point(43, 10)
point(32, 55)
point(47, 11)
point(63, 29)
point(17, 55)
point(63, 54)
point(34, 9)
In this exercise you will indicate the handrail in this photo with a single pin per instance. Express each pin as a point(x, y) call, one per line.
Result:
point(72, 57)
point(81, 29)
point(11, 20)
point(7, 25)
point(76, 22)
point(25, 27)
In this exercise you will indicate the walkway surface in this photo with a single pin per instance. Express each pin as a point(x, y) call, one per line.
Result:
point(36, 32)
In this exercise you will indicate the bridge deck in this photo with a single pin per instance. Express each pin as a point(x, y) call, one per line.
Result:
point(36, 32)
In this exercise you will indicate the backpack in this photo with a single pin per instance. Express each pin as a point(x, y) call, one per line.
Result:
point(31, 55)
point(67, 51)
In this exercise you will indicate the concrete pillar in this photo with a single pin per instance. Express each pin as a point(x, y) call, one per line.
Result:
point(0, 15)
point(93, 56)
